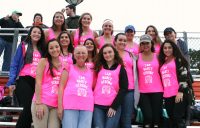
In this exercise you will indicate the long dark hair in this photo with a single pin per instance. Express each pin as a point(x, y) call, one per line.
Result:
point(80, 24)
point(176, 53)
point(100, 61)
point(157, 40)
point(63, 27)
point(40, 45)
point(94, 52)
point(70, 47)
point(49, 58)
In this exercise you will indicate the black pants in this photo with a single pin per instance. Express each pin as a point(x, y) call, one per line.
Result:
point(176, 112)
point(25, 89)
point(151, 107)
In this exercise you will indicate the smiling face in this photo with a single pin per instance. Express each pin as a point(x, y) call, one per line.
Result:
point(80, 54)
point(58, 19)
point(54, 49)
point(130, 34)
point(64, 40)
point(145, 46)
point(86, 20)
point(151, 31)
point(108, 54)
point(168, 50)
point(35, 35)
point(107, 27)
point(121, 41)
point(89, 45)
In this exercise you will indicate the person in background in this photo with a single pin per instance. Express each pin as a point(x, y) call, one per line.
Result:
point(23, 72)
point(130, 65)
point(72, 19)
point(131, 46)
point(153, 32)
point(45, 100)
point(170, 34)
point(6, 42)
point(83, 31)
point(66, 46)
point(110, 89)
point(176, 82)
point(107, 34)
point(38, 21)
point(57, 27)
point(92, 52)
point(150, 85)
point(76, 101)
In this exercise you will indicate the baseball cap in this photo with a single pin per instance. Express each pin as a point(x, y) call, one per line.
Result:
point(169, 30)
point(17, 12)
point(145, 38)
point(129, 27)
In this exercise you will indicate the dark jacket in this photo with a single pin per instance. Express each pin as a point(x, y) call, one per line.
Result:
point(183, 48)
point(9, 23)
point(72, 22)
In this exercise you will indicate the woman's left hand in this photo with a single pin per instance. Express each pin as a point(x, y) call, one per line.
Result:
point(111, 112)
point(179, 97)
point(39, 111)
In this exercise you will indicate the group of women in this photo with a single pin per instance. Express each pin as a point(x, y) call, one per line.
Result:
point(81, 80)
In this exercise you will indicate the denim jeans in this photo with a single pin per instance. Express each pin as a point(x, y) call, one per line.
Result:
point(77, 119)
point(127, 110)
point(7, 48)
point(101, 120)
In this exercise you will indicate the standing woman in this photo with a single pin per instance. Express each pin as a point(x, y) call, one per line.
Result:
point(131, 46)
point(75, 93)
point(150, 86)
point(66, 46)
point(176, 81)
point(153, 32)
point(92, 52)
point(83, 32)
point(45, 100)
point(24, 66)
point(107, 35)
point(130, 65)
point(110, 89)
point(57, 27)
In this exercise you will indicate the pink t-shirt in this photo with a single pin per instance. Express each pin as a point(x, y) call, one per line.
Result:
point(107, 86)
point(30, 69)
point(134, 49)
point(83, 37)
point(128, 62)
point(49, 89)
point(149, 78)
point(51, 34)
point(78, 94)
point(169, 79)
point(102, 41)
point(157, 48)
point(90, 65)
point(67, 59)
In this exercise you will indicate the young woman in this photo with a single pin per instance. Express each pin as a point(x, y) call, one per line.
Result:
point(24, 65)
point(131, 46)
point(75, 93)
point(66, 46)
point(150, 86)
point(107, 35)
point(175, 78)
point(153, 32)
point(92, 52)
point(110, 89)
point(57, 27)
point(129, 60)
point(45, 100)
point(83, 32)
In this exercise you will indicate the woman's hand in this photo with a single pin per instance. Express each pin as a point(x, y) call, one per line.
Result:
point(39, 111)
point(60, 112)
point(179, 97)
point(111, 112)
point(11, 89)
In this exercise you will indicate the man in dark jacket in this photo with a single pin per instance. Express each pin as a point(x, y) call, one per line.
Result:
point(6, 41)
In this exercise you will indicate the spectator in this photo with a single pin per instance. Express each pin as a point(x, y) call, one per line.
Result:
point(131, 46)
point(107, 35)
point(72, 19)
point(153, 32)
point(45, 100)
point(83, 31)
point(6, 42)
point(38, 21)
point(23, 72)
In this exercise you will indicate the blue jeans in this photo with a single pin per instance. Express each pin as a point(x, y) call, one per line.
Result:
point(101, 120)
point(77, 119)
point(7, 48)
point(127, 110)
